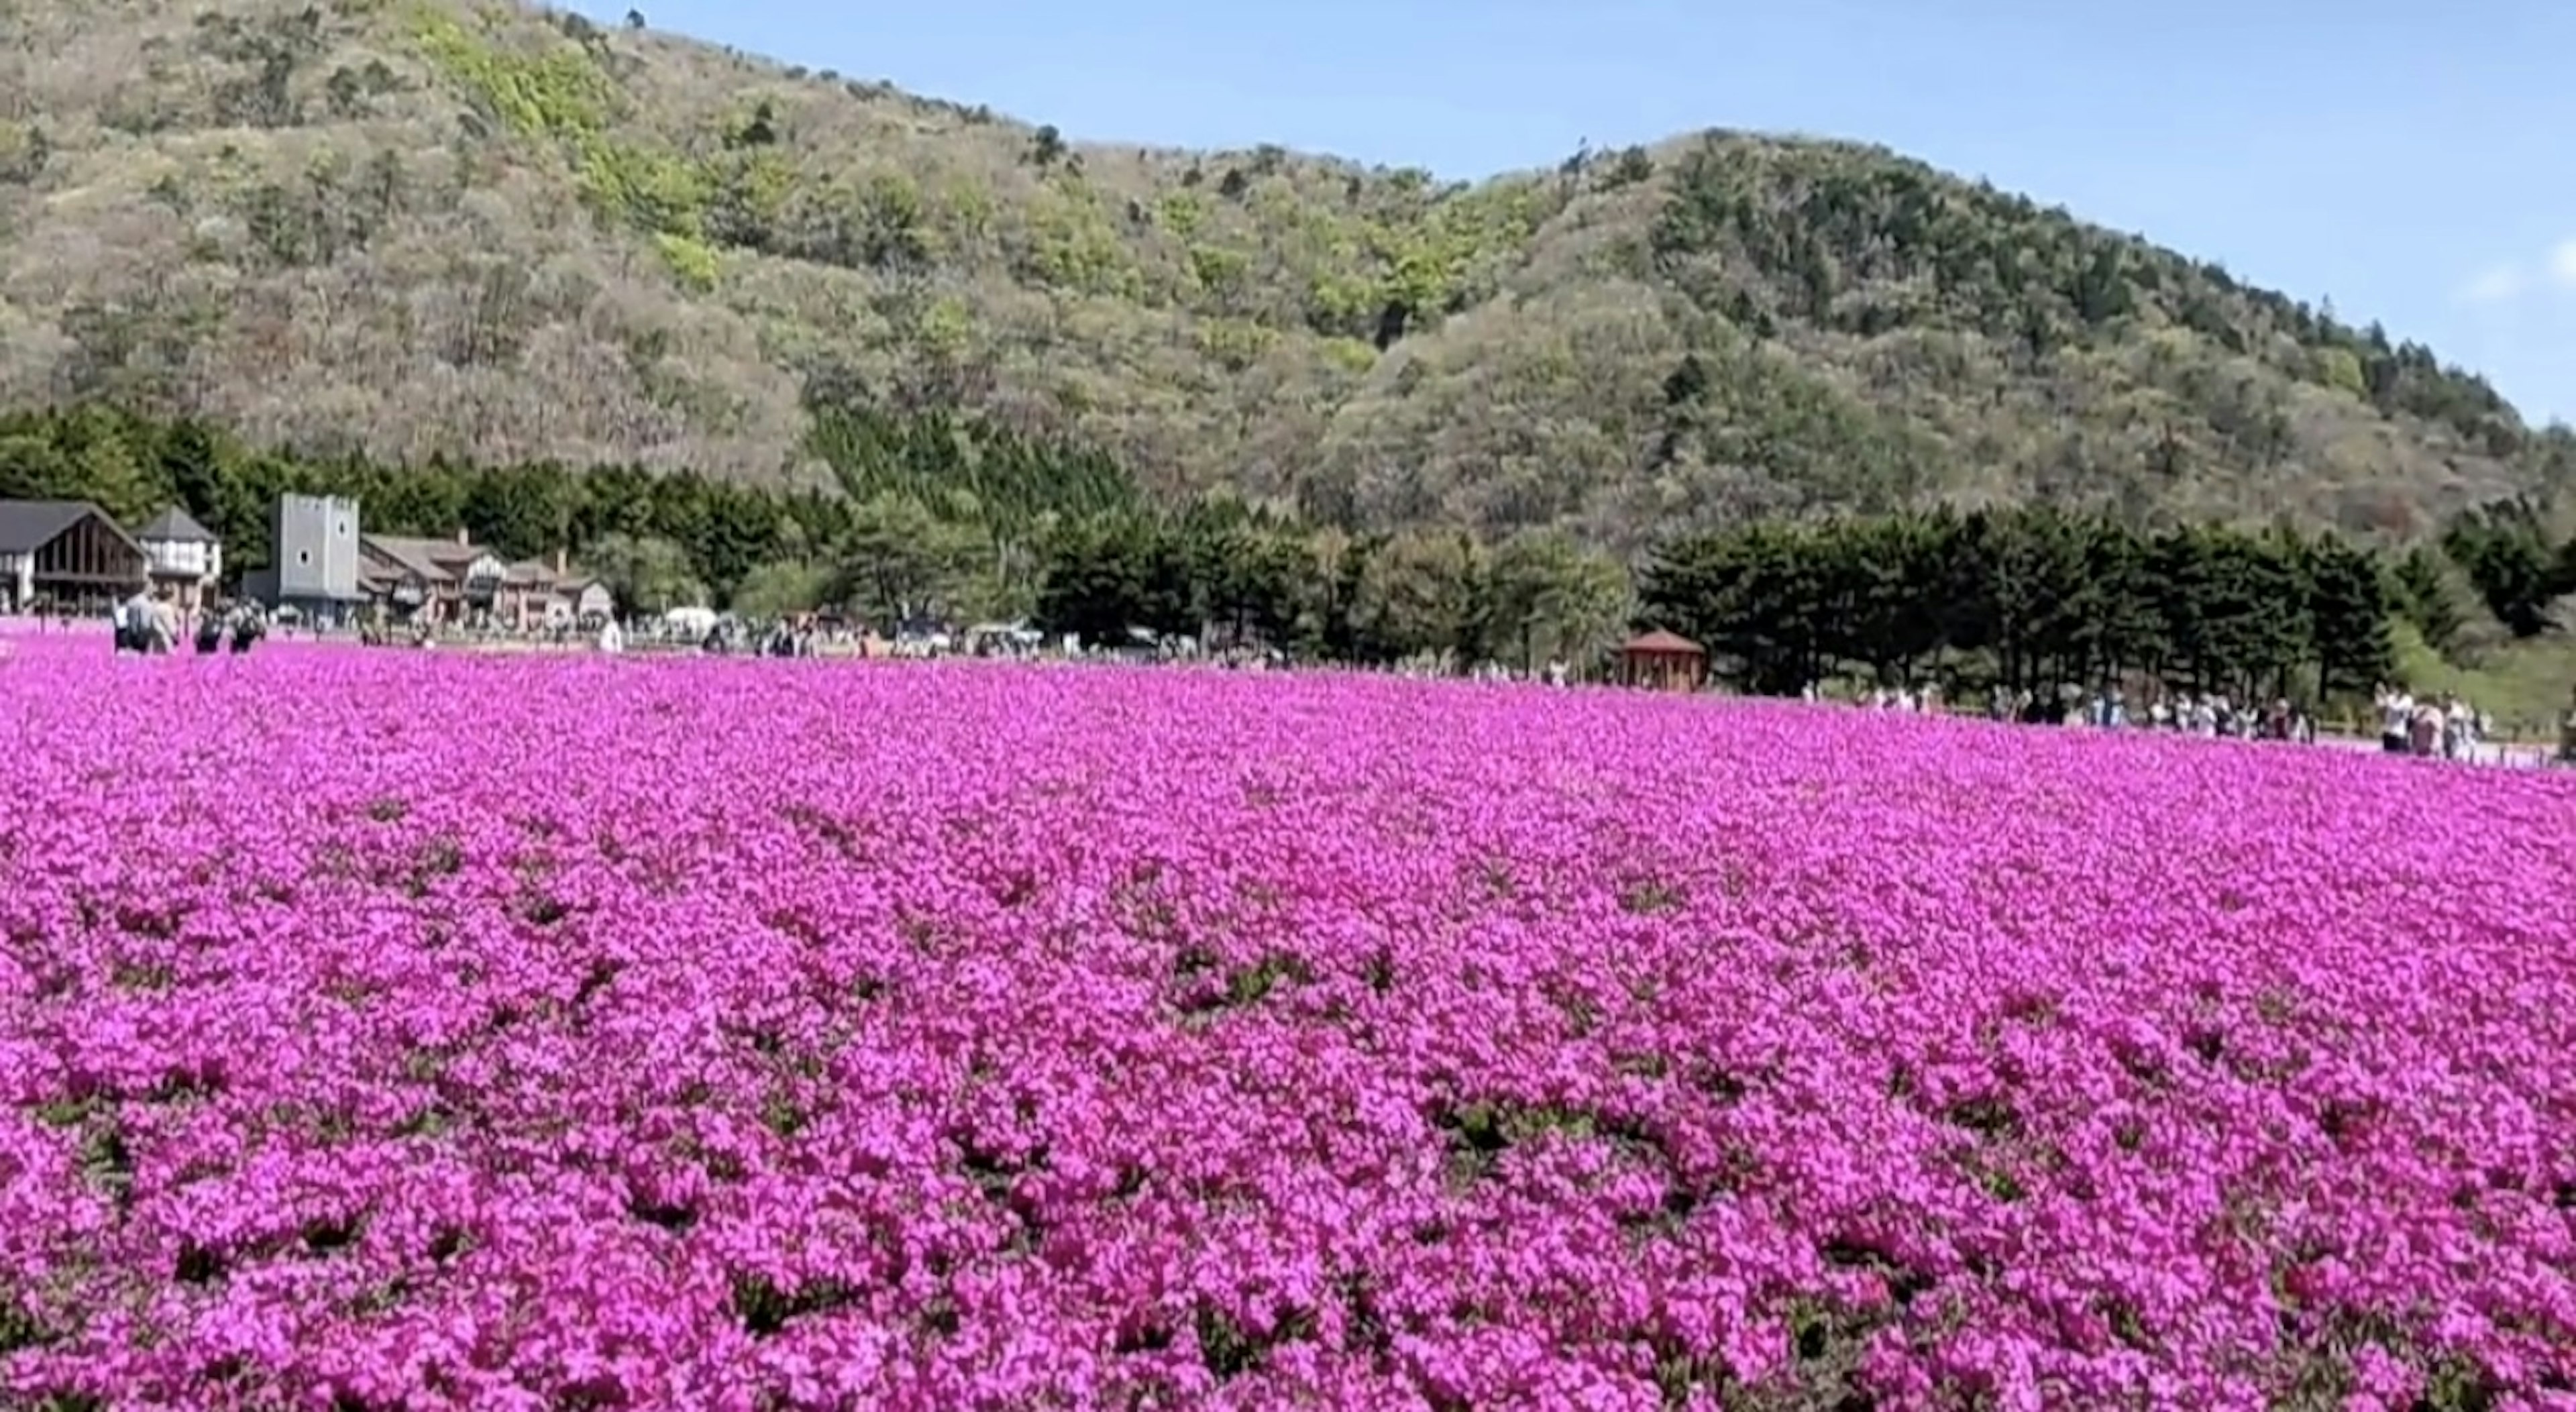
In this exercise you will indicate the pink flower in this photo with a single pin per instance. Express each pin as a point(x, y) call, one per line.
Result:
point(479, 1034)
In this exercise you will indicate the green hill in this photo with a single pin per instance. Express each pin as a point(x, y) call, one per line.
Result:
point(419, 228)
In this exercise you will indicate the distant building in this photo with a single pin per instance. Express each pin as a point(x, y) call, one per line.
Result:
point(443, 580)
point(458, 581)
point(183, 557)
point(555, 595)
point(67, 554)
point(316, 558)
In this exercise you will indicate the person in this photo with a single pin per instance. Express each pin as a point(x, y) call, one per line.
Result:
point(2396, 718)
point(247, 630)
point(2567, 732)
point(2424, 731)
point(165, 625)
point(210, 633)
point(2459, 728)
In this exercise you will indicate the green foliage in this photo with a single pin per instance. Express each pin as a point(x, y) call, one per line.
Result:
point(647, 573)
point(936, 458)
point(563, 95)
point(1074, 247)
point(2420, 582)
point(1861, 241)
point(2039, 598)
point(692, 262)
point(2517, 566)
point(944, 515)
point(782, 590)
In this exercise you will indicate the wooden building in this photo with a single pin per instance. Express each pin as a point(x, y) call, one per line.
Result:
point(67, 554)
point(1663, 661)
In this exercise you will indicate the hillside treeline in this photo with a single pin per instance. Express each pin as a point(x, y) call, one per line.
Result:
point(506, 233)
point(939, 515)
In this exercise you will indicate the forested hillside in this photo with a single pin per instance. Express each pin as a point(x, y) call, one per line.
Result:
point(418, 228)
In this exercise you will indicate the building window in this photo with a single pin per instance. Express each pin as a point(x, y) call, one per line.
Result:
point(304, 556)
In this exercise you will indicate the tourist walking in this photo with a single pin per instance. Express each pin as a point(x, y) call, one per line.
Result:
point(2396, 718)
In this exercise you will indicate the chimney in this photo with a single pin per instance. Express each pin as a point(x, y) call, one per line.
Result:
point(460, 536)
point(563, 562)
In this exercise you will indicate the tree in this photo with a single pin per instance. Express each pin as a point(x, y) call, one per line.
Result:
point(782, 590)
point(899, 562)
point(2507, 553)
point(1421, 595)
point(1109, 573)
point(1550, 599)
point(2421, 584)
point(2349, 610)
point(648, 575)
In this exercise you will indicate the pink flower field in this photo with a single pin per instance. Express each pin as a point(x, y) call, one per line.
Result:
point(391, 1030)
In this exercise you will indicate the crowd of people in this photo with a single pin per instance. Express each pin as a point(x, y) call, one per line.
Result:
point(154, 626)
point(2443, 726)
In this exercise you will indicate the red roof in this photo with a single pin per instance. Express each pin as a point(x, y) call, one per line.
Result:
point(1662, 643)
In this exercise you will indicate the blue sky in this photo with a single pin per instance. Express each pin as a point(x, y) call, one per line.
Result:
point(2414, 163)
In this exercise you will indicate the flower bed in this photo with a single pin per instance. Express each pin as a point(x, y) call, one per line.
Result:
point(425, 1031)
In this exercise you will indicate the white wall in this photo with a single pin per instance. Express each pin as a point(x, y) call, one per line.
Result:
point(184, 557)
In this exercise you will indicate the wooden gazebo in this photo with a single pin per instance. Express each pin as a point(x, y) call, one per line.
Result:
point(1663, 661)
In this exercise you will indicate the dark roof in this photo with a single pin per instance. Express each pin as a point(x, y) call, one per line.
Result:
point(29, 525)
point(412, 556)
point(1660, 642)
point(425, 558)
point(175, 526)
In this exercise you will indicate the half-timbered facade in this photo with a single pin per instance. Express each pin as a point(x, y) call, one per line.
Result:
point(184, 557)
point(68, 554)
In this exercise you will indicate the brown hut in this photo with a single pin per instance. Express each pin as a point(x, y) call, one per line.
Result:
point(1662, 661)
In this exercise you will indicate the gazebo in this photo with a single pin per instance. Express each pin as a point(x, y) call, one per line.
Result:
point(1663, 661)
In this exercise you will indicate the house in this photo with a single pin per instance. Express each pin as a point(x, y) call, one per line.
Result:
point(456, 580)
point(555, 595)
point(183, 557)
point(317, 564)
point(67, 553)
point(441, 580)
point(586, 600)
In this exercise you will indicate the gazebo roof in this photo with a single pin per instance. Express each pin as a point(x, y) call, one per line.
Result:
point(1660, 643)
